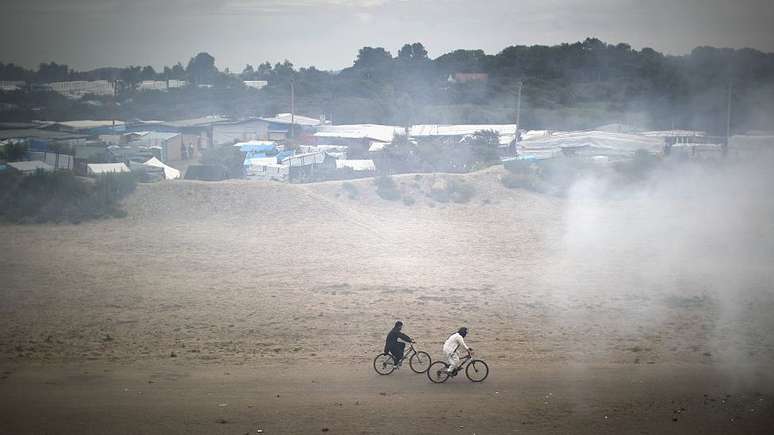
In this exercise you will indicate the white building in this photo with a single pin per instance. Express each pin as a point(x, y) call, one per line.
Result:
point(8, 86)
point(256, 84)
point(79, 88)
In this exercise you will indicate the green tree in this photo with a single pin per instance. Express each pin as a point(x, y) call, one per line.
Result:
point(201, 69)
point(369, 57)
point(484, 144)
point(412, 52)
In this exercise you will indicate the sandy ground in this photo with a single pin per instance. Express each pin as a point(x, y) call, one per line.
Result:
point(284, 285)
point(318, 398)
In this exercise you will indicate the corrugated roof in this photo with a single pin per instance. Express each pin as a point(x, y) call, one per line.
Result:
point(89, 124)
point(304, 159)
point(30, 166)
point(197, 122)
point(382, 133)
point(155, 136)
point(284, 118)
point(460, 129)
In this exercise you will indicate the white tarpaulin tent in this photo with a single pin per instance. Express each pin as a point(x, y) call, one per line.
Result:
point(107, 168)
point(607, 143)
point(170, 173)
point(356, 165)
point(271, 171)
point(507, 132)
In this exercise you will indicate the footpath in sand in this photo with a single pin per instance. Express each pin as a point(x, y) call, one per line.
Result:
point(131, 325)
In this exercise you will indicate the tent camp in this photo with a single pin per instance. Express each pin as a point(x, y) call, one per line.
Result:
point(170, 173)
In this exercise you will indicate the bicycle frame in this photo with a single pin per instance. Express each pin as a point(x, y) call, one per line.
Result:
point(408, 353)
point(464, 360)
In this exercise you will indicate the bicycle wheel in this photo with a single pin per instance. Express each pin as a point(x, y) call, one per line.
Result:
point(477, 370)
point(384, 364)
point(437, 372)
point(420, 362)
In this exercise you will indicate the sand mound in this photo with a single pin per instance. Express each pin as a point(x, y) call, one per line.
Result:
point(236, 270)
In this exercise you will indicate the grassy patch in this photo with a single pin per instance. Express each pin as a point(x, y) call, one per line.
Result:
point(62, 197)
point(386, 188)
point(452, 190)
point(350, 189)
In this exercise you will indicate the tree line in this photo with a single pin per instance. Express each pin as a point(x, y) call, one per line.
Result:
point(571, 85)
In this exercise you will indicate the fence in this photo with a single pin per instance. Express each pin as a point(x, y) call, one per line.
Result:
point(58, 161)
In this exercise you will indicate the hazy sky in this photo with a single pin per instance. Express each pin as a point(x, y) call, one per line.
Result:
point(327, 33)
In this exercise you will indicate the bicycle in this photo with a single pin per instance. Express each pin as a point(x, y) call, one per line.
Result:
point(419, 361)
point(475, 369)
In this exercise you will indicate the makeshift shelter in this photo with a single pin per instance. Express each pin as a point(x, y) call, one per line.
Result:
point(170, 173)
point(148, 174)
point(95, 169)
point(356, 165)
point(30, 167)
point(587, 143)
point(268, 171)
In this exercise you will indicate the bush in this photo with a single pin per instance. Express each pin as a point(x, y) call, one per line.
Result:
point(62, 197)
point(13, 151)
point(518, 181)
point(386, 188)
point(351, 189)
point(452, 190)
point(409, 200)
point(460, 192)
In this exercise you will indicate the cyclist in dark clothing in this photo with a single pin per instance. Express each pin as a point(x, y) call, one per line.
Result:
point(395, 347)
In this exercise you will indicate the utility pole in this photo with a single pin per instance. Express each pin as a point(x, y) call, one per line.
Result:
point(728, 112)
point(292, 108)
point(728, 119)
point(518, 107)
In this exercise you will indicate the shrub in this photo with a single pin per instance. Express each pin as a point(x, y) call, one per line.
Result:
point(351, 189)
point(386, 188)
point(452, 190)
point(459, 191)
point(517, 181)
point(13, 151)
point(409, 200)
point(62, 197)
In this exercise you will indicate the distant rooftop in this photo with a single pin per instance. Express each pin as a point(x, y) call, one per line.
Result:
point(197, 122)
point(31, 166)
point(35, 133)
point(285, 118)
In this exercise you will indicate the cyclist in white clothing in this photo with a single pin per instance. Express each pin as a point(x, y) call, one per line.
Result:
point(452, 346)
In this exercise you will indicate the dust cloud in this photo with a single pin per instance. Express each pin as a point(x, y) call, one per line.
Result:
point(677, 266)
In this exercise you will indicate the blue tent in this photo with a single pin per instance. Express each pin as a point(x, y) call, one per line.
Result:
point(284, 155)
point(257, 147)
